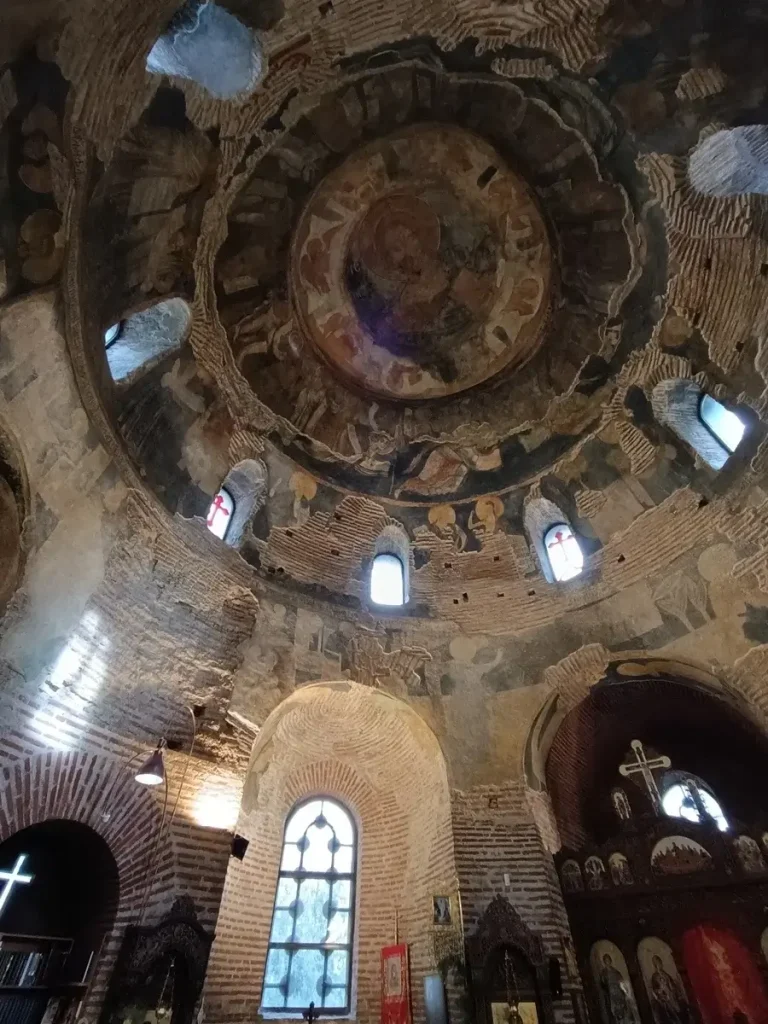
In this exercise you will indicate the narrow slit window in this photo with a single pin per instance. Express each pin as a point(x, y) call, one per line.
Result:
point(724, 424)
point(565, 556)
point(220, 514)
point(387, 581)
point(309, 959)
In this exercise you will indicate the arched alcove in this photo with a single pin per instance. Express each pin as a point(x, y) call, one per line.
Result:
point(682, 405)
point(142, 339)
point(13, 512)
point(701, 733)
point(547, 526)
point(246, 486)
point(375, 756)
point(731, 162)
point(58, 906)
point(206, 44)
point(391, 546)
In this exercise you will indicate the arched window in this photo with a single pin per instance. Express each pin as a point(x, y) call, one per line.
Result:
point(686, 797)
point(208, 45)
point(220, 514)
point(113, 333)
point(310, 946)
point(143, 339)
point(724, 424)
point(387, 580)
point(713, 431)
point(563, 552)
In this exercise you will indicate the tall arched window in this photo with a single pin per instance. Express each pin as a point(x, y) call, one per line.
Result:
point(387, 580)
point(565, 556)
point(310, 945)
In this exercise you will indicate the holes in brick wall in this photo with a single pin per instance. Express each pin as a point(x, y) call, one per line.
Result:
point(621, 559)
point(448, 565)
point(325, 9)
point(465, 598)
point(703, 502)
point(335, 552)
point(499, 595)
point(531, 593)
point(497, 558)
point(487, 176)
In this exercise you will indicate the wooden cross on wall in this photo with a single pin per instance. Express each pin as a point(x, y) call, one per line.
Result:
point(645, 767)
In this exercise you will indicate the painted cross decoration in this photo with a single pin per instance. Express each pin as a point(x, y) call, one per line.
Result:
point(11, 878)
point(645, 767)
point(219, 513)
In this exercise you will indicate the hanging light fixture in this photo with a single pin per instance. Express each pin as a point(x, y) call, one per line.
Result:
point(152, 772)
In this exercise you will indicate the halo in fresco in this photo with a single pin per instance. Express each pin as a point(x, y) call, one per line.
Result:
point(421, 266)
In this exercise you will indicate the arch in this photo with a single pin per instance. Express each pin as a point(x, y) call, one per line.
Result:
point(73, 892)
point(542, 520)
point(313, 915)
point(731, 162)
point(206, 44)
point(247, 485)
point(678, 404)
point(704, 735)
point(14, 510)
point(122, 813)
point(375, 755)
point(146, 337)
point(394, 542)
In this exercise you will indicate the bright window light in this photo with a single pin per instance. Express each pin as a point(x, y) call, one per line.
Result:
point(112, 334)
point(679, 802)
point(563, 551)
point(387, 580)
point(724, 424)
point(220, 514)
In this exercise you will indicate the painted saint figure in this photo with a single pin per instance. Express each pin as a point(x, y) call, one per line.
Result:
point(668, 1000)
point(616, 1000)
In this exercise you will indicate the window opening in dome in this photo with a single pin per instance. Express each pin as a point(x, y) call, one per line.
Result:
point(112, 334)
point(387, 580)
point(309, 958)
point(565, 556)
point(220, 514)
point(724, 424)
point(689, 801)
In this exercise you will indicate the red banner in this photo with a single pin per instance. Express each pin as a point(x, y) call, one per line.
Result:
point(395, 992)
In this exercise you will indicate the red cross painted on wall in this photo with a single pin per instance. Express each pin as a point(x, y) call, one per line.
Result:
point(216, 507)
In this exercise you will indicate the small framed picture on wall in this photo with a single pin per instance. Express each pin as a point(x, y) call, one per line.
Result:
point(442, 910)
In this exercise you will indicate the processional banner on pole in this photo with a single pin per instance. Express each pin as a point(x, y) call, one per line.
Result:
point(395, 989)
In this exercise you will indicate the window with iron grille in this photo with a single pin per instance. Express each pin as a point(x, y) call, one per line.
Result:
point(310, 946)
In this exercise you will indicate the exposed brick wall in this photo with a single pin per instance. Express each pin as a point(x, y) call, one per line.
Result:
point(377, 757)
point(94, 785)
point(495, 835)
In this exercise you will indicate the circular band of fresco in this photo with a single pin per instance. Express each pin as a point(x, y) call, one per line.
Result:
point(421, 266)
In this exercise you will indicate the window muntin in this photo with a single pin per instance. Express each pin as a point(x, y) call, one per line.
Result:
point(310, 946)
point(565, 556)
point(387, 580)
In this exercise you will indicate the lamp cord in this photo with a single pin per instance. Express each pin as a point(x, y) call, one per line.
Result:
point(152, 865)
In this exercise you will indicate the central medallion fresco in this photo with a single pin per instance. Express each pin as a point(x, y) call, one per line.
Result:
point(421, 266)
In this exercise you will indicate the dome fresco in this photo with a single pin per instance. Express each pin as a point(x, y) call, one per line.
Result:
point(383, 419)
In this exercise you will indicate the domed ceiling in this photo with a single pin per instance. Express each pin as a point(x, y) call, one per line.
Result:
point(429, 282)
point(417, 274)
